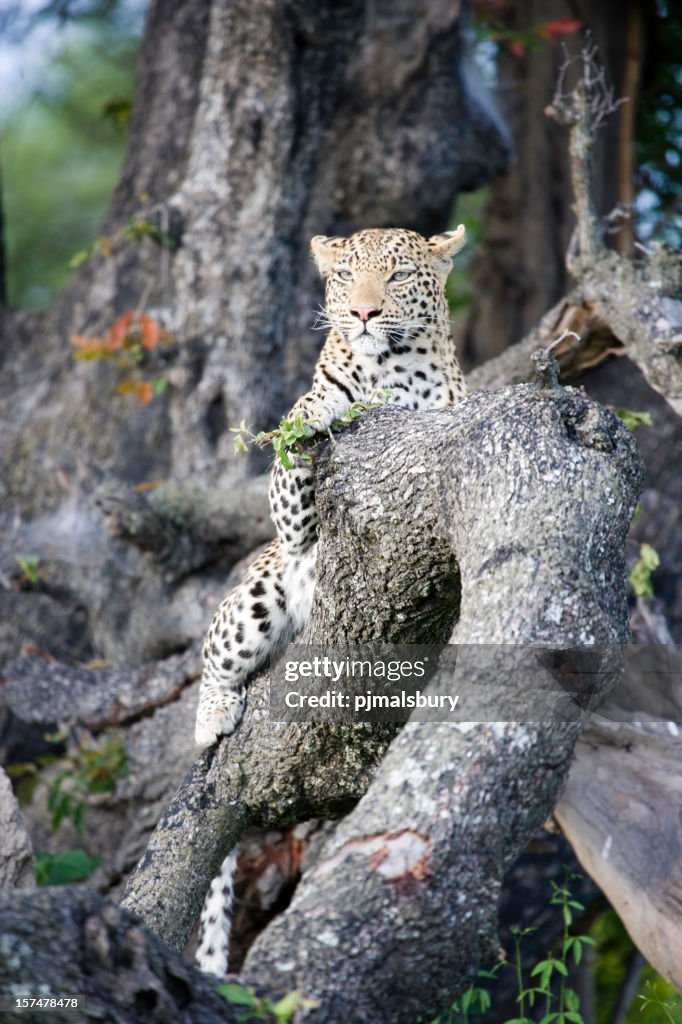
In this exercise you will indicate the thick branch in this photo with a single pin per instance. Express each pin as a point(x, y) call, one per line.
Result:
point(40, 691)
point(267, 775)
point(616, 813)
point(618, 307)
point(558, 477)
point(184, 528)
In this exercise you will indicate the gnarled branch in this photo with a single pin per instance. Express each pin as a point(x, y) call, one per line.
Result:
point(558, 477)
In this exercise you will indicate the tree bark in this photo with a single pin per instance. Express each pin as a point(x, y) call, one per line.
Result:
point(89, 947)
point(16, 852)
point(289, 118)
point(615, 812)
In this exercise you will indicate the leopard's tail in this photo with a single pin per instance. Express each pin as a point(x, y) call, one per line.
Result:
point(216, 920)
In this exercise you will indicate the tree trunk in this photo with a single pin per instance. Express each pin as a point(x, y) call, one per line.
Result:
point(355, 927)
point(256, 125)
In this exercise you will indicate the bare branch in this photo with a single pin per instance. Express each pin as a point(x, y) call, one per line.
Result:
point(582, 109)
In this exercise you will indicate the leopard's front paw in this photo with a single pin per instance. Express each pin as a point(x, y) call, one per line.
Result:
point(218, 715)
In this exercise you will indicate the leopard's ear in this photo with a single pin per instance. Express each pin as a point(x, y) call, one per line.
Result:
point(326, 251)
point(445, 246)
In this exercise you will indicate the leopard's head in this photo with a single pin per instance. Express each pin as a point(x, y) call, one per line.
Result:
point(385, 287)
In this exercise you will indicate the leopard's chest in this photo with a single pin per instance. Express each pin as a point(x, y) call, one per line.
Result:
point(417, 383)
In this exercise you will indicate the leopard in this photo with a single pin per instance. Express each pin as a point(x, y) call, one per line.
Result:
point(389, 340)
point(386, 307)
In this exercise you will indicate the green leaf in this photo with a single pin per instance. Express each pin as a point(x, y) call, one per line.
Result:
point(80, 257)
point(64, 867)
point(238, 995)
point(633, 419)
point(572, 999)
point(492, 974)
point(21, 768)
point(29, 566)
point(25, 789)
point(285, 1008)
point(640, 574)
point(576, 943)
point(465, 999)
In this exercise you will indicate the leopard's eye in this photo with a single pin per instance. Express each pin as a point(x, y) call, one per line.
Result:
point(401, 275)
point(344, 275)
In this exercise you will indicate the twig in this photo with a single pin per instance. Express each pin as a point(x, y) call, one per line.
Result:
point(546, 365)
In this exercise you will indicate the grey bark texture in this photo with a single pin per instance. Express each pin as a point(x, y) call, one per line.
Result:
point(394, 918)
point(616, 812)
point(90, 947)
point(256, 126)
point(16, 850)
point(276, 110)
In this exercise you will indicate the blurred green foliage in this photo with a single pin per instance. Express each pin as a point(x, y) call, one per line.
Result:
point(656, 1002)
point(470, 211)
point(64, 867)
point(62, 150)
point(658, 142)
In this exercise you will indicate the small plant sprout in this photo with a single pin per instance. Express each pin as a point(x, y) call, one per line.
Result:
point(29, 565)
point(135, 230)
point(290, 436)
point(544, 994)
point(633, 419)
point(670, 1010)
point(130, 343)
point(88, 772)
point(287, 439)
point(283, 1011)
point(640, 574)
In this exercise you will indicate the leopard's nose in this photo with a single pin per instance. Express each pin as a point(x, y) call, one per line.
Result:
point(365, 312)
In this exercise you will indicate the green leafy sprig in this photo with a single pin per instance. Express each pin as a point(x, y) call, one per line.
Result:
point(290, 437)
